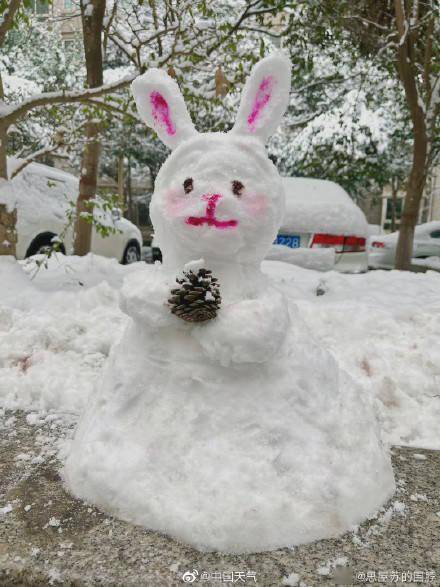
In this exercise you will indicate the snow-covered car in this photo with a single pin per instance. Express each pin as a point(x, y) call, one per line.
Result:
point(374, 230)
point(321, 215)
point(42, 196)
point(382, 250)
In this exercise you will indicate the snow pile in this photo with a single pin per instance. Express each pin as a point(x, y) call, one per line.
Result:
point(16, 87)
point(317, 259)
point(369, 322)
point(61, 272)
point(13, 281)
point(56, 330)
point(240, 434)
point(382, 327)
point(316, 205)
point(292, 580)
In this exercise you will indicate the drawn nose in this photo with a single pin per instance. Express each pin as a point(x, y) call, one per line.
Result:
point(210, 219)
point(212, 200)
point(211, 197)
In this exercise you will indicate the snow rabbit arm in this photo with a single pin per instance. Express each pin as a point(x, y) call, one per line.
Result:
point(249, 331)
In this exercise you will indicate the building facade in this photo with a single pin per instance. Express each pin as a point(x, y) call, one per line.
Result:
point(379, 209)
point(66, 13)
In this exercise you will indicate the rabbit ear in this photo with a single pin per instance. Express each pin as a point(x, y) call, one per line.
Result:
point(161, 106)
point(265, 97)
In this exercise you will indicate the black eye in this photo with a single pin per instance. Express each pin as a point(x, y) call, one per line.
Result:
point(188, 185)
point(237, 187)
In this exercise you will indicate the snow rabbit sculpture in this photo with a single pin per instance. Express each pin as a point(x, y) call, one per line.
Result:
point(241, 434)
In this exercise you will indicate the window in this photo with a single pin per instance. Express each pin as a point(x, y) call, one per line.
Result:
point(399, 207)
point(69, 45)
point(144, 214)
point(435, 234)
point(41, 7)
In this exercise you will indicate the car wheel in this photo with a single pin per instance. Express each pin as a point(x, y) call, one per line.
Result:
point(43, 250)
point(132, 253)
point(42, 244)
point(157, 254)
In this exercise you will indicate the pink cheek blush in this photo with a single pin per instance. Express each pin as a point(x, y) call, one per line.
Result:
point(256, 205)
point(175, 205)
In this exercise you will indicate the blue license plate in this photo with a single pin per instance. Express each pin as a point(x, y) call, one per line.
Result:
point(288, 240)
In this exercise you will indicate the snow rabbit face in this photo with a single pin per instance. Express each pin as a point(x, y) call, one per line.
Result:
point(217, 196)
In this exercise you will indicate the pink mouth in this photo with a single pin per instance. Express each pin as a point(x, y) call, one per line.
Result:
point(210, 219)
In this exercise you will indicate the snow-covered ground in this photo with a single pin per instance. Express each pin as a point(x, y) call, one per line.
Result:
point(383, 328)
point(57, 326)
point(430, 262)
point(56, 329)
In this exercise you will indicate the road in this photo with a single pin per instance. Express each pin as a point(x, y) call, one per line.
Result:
point(49, 538)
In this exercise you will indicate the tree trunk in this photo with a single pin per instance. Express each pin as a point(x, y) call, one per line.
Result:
point(92, 15)
point(129, 214)
point(8, 220)
point(394, 190)
point(414, 193)
point(409, 75)
point(87, 188)
point(3, 138)
point(121, 195)
point(3, 148)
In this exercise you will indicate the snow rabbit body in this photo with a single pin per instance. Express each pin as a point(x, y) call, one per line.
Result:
point(218, 198)
point(240, 434)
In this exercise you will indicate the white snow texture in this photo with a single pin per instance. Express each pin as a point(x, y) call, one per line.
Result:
point(241, 434)
point(317, 205)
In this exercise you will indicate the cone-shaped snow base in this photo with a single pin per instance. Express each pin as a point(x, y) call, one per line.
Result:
point(237, 459)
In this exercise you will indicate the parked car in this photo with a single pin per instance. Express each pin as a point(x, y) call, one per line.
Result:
point(41, 195)
point(374, 230)
point(321, 215)
point(382, 250)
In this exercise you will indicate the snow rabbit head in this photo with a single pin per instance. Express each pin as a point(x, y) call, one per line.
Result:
point(218, 195)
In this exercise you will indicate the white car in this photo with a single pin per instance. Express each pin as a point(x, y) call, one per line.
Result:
point(382, 250)
point(41, 195)
point(321, 215)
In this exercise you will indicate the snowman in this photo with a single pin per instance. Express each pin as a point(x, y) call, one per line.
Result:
point(239, 433)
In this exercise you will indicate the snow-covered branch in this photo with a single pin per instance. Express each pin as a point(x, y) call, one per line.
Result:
point(247, 13)
point(404, 34)
point(33, 157)
point(115, 109)
point(9, 113)
point(365, 21)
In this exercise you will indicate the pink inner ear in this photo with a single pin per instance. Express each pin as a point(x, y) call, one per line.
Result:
point(161, 112)
point(261, 99)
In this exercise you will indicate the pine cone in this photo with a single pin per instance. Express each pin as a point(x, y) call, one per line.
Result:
point(198, 297)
